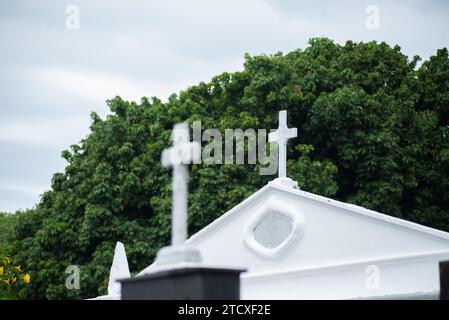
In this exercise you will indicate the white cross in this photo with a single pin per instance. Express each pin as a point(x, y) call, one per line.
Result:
point(179, 156)
point(281, 136)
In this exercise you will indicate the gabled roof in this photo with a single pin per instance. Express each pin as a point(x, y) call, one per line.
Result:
point(295, 244)
point(349, 208)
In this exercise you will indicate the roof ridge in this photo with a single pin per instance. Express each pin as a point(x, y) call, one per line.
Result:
point(352, 208)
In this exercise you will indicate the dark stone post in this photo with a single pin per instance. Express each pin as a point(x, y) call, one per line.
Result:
point(444, 280)
point(190, 283)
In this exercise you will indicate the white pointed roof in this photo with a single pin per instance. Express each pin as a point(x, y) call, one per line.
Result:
point(296, 245)
point(119, 270)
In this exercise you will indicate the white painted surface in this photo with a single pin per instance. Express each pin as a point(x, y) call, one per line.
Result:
point(339, 247)
point(178, 157)
point(281, 136)
point(265, 212)
point(119, 270)
point(412, 275)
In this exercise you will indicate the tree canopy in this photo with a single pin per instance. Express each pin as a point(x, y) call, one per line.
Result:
point(6, 230)
point(373, 130)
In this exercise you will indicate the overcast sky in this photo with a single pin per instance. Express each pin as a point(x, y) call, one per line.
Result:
point(52, 76)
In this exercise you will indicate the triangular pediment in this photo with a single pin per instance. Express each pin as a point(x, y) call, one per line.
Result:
point(296, 245)
point(327, 232)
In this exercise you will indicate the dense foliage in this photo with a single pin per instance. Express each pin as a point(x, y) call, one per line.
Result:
point(373, 130)
point(6, 232)
point(12, 278)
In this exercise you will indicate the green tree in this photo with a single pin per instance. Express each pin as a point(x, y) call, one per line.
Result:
point(372, 127)
point(6, 232)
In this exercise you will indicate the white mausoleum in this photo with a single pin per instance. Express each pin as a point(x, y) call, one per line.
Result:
point(297, 245)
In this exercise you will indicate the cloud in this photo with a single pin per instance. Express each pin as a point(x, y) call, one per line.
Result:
point(51, 78)
point(19, 197)
point(44, 132)
point(91, 86)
